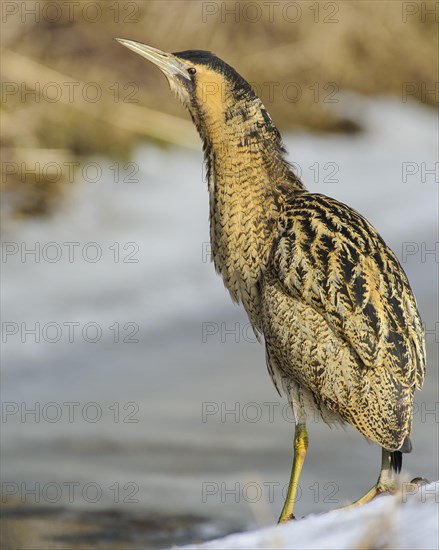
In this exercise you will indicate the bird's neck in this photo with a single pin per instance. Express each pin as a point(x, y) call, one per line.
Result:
point(247, 174)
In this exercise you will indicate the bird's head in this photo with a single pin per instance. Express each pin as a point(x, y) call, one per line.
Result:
point(228, 114)
point(209, 88)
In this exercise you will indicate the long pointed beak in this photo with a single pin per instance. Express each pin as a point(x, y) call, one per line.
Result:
point(170, 65)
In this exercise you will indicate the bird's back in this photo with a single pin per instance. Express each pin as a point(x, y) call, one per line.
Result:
point(340, 319)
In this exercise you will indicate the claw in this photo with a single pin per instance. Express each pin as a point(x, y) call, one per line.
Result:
point(420, 481)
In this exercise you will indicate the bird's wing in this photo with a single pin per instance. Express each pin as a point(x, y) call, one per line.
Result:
point(329, 256)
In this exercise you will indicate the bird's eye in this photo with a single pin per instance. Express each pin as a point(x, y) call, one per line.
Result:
point(192, 70)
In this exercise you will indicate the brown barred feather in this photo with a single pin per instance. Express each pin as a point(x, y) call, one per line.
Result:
point(362, 354)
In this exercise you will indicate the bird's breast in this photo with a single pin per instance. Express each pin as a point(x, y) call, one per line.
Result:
point(242, 217)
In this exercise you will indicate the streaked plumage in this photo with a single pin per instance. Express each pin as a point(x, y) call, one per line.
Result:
point(341, 319)
point(340, 323)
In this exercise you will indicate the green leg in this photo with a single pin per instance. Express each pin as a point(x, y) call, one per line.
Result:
point(300, 446)
point(385, 483)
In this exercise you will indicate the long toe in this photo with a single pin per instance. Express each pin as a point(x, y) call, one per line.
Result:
point(420, 481)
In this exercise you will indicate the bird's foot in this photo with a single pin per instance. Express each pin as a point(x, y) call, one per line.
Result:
point(376, 490)
point(419, 481)
point(286, 519)
point(412, 487)
point(388, 487)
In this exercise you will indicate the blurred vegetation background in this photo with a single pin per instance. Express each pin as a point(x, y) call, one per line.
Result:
point(94, 97)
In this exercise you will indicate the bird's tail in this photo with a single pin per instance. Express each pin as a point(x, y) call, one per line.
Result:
point(396, 456)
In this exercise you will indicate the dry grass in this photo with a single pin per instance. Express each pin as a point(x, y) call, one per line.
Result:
point(364, 46)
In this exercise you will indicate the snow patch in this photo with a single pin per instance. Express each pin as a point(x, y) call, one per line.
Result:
point(399, 522)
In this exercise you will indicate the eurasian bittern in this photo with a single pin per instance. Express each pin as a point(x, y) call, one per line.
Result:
point(342, 332)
